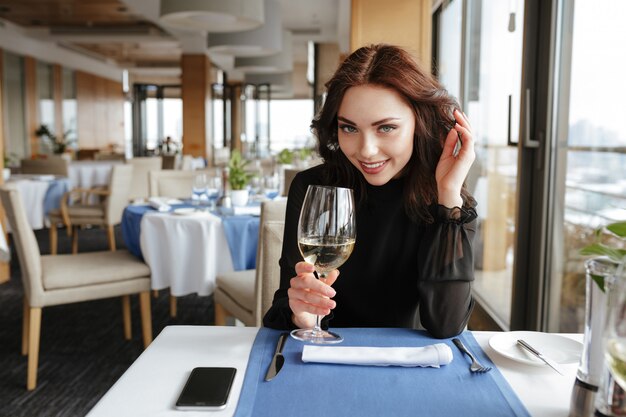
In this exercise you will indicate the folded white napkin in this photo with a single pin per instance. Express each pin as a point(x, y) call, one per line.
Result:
point(250, 210)
point(158, 204)
point(432, 355)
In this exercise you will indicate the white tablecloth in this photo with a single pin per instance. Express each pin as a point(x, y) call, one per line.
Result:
point(33, 193)
point(185, 253)
point(88, 174)
point(152, 384)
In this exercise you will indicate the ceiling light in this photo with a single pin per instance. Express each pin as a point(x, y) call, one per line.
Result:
point(275, 64)
point(212, 15)
point(263, 41)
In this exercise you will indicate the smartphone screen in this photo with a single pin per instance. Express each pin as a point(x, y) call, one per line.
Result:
point(206, 389)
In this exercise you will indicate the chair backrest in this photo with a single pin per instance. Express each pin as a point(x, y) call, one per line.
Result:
point(25, 243)
point(171, 183)
point(169, 161)
point(288, 176)
point(54, 165)
point(139, 187)
point(109, 156)
point(119, 188)
point(268, 253)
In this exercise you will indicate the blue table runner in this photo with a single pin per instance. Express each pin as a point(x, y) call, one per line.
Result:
point(307, 389)
point(241, 234)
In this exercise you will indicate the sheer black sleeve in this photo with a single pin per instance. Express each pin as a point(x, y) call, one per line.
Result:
point(446, 266)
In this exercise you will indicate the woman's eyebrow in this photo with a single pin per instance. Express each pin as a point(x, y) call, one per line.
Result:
point(379, 122)
point(343, 119)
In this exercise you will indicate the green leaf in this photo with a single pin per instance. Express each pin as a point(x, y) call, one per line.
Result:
point(600, 249)
point(618, 228)
point(599, 279)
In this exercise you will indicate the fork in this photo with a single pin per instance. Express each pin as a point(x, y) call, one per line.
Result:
point(475, 366)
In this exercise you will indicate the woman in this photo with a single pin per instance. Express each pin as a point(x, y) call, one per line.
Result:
point(387, 130)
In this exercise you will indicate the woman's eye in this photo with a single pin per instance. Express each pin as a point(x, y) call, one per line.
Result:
point(387, 128)
point(347, 129)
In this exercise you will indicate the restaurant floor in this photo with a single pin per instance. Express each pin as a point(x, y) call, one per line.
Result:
point(83, 351)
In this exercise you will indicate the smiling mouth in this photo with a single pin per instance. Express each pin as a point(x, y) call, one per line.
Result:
point(373, 167)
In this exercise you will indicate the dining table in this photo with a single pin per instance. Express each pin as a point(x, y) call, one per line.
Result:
point(150, 387)
point(186, 247)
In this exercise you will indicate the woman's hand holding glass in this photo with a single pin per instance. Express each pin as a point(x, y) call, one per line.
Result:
point(310, 297)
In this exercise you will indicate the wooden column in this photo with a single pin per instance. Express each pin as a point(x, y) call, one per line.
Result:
point(196, 93)
point(236, 115)
point(32, 111)
point(5, 273)
point(57, 95)
point(406, 23)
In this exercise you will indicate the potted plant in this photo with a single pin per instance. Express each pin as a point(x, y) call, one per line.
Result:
point(238, 178)
point(609, 252)
point(58, 145)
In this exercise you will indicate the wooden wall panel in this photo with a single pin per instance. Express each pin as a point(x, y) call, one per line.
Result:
point(32, 110)
point(406, 23)
point(57, 95)
point(100, 104)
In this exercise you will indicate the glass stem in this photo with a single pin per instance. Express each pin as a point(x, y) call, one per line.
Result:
point(317, 329)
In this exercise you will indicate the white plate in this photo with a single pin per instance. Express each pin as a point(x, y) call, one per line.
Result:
point(185, 211)
point(558, 348)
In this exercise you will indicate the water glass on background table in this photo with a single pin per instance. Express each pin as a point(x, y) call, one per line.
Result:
point(271, 185)
point(213, 189)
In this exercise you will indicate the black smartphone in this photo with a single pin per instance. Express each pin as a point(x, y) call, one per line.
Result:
point(206, 389)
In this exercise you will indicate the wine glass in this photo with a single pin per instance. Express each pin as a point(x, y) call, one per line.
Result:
point(326, 236)
point(199, 189)
point(271, 184)
point(213, 188)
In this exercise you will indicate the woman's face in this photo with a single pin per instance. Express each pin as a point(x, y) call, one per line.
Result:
point(375, 131)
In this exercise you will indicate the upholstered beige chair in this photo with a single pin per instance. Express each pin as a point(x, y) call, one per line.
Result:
point(288, 176)
point(106, 213)
point(171, 183)
point(54, 165)
point(52, 280)
point(247, 295)
point(141, 167)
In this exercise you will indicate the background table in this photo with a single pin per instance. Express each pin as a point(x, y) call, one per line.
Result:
point(88, 174)
point(40, 194)
point(152, 384)
point(186, 253)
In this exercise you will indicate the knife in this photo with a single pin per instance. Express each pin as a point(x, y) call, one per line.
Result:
point(278, 360)
point(535, 352)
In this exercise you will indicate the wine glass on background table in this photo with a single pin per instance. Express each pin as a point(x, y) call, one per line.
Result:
point(214, 186)
point(326, 236)
point(199, 189)
point(271, 185)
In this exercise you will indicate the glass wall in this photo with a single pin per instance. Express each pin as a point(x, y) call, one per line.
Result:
point(17, 144)
point(45, 97)
point(69, 106)
point(290, 122)
point(591, 164)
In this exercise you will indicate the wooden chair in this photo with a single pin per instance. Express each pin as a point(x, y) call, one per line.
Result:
point(106, 213)
point(54, 165)
point(52, 280)
point(247, 295)
point(139, 186)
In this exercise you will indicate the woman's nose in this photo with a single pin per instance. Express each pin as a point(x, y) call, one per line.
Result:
point(369, 147)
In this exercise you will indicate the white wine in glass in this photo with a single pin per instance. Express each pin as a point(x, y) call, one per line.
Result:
point(326, 237)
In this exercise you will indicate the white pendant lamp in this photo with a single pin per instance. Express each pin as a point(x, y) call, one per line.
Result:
point(263, 41)
point(274, 64)
point(212, 15)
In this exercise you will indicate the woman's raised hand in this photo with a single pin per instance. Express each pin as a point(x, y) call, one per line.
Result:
point(309, 296)
point(452, 168)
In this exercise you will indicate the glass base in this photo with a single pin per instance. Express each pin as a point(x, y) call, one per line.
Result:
point(316, 336)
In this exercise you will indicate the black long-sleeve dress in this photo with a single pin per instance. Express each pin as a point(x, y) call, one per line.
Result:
point(397, 266)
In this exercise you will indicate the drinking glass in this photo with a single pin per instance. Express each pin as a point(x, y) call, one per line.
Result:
point(326, 236)
point(615, 330)
point(214, 186)
point(199, 189)
point(271, 184)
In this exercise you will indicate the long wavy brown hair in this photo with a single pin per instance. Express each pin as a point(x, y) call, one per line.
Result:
point(391, 67)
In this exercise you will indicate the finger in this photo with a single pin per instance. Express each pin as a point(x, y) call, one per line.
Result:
point(450, 143)
point(462, 119)
point(331, 277)
point(311, 298)
point(467, 143)
point(310, 283)
point(304, 268)
point(298, 307)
